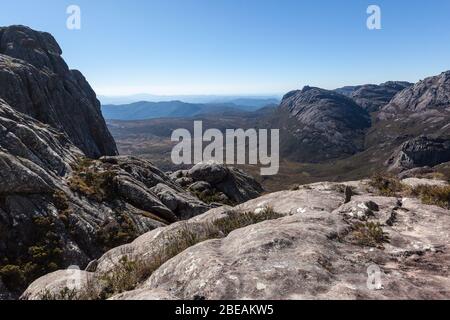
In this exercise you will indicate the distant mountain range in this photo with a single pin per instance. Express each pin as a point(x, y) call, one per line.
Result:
point(177, 109)
point(247, 100)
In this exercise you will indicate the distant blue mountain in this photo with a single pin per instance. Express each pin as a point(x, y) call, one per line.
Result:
point(177, 109)
point(203, 99)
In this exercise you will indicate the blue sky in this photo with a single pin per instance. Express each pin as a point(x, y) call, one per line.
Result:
point(242, 46)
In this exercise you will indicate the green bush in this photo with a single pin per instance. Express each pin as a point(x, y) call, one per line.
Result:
point(13, 277)
point(43, 254)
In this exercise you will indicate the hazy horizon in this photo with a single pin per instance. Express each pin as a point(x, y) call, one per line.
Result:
point(200, 47)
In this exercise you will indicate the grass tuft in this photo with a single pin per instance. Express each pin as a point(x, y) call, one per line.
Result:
point(388, 186)
point(433, 195)
point(369, 234)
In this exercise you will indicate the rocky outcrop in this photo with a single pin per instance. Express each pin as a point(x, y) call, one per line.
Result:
point(319, 246)
point(218, 184)
point(321, 125)
point(35, 80)
point(372, 97)
point(420, 152)
point(433, 93)
point(58, 208)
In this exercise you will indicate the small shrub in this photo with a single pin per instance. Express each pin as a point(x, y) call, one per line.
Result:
point(368, 234)
point(387, 186)
point(237, 220)
point(125, 277)
point(117, 232)
point(93, 182)
point(60, 200)
point(433, 195)
point(13, 277)
point(214, 197)
point(41, 255)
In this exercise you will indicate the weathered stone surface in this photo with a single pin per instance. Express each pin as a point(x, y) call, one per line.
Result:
point(210, 172)
point(219, 182)
point(310, 253)
point(420, 152)
point(37, 168)
point(55, 284)
point(35, 80)
point(144, 294)
point(430, 93)
point(372, 97)
point(185, 205)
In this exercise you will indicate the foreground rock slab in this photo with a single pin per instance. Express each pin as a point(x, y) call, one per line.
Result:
point(320, 248)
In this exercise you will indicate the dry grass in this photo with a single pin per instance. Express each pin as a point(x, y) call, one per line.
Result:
point(433, 195)
point(388, 186)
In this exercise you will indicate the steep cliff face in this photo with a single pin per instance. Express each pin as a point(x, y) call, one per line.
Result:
point(321, 124)
point(35, 80)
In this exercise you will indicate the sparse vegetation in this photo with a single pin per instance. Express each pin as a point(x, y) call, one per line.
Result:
point(236, 220)
point(213, 197)
point(388, 186)
point(61, 202)
point(433, 195)
point(369, 234)
point(92, 181)
point(42, 255)
point(117, 232)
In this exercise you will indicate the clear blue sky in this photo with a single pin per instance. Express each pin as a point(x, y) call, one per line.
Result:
point(242, 46)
